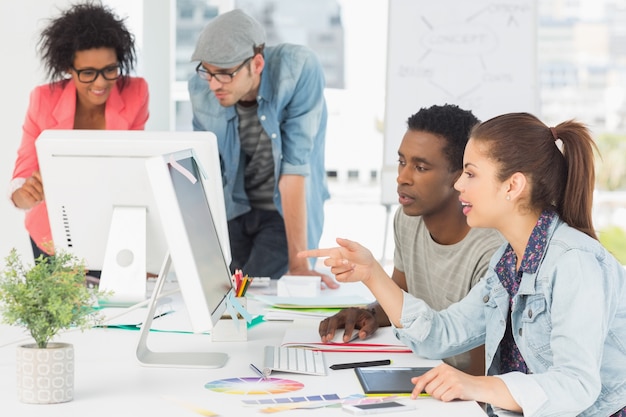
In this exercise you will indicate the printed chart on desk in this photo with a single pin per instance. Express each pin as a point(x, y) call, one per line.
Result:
point(253, 386)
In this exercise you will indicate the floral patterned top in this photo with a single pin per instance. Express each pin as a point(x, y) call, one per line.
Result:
point(510, 357)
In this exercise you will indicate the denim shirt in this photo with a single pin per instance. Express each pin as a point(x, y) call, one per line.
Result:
point(292, 111)
point(568, 320)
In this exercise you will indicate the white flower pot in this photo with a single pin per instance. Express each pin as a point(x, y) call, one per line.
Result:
point(45, 376)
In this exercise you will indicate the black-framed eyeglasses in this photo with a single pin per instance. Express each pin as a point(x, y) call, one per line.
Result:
point(222, 77)
point(88, 75)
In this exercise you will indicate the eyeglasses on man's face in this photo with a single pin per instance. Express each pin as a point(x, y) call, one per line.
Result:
point(222, 77)
point(88, 75)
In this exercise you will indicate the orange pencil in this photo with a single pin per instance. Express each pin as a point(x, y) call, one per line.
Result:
point(246, 284)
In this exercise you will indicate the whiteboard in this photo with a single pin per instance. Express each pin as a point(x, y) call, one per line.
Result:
point(477, 54)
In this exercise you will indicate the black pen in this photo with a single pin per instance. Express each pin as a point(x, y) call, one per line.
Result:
point(359, 364)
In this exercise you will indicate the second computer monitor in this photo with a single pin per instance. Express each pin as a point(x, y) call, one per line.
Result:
point(101, 206)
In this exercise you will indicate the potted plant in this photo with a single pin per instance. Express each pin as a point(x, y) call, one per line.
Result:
point(46, 298)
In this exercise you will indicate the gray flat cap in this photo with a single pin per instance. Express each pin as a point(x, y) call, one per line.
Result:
point(228, 39)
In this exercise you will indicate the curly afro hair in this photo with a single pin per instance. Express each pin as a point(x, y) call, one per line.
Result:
point(449, 122)
point(85, 26)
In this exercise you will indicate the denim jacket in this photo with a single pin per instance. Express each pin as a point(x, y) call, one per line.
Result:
point(292, 110)
point(568, 320)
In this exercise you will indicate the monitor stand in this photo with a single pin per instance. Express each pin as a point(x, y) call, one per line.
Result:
point(171, 359)
point(124, 267)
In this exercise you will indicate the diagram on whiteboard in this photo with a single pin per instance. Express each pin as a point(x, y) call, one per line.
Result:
point(479, 55)
point(461, 60)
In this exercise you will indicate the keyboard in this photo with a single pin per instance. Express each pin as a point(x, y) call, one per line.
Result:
point(297, 360)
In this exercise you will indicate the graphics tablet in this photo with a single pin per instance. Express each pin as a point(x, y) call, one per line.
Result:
point(388, 380)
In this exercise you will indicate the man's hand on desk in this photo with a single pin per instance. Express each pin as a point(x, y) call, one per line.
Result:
point(348, 319)
point(326, 280)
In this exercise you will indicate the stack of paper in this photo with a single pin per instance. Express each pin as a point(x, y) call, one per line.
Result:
point(314, 302)
point(304, 334)
point(277, 313)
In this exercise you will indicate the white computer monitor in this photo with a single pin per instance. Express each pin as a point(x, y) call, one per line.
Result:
point(101, 206)
point(191, 231)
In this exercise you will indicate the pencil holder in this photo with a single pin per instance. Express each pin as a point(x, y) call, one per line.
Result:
point(229, 330)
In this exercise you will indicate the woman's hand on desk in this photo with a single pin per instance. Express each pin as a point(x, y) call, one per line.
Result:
point(447, 383)
point(444, 383)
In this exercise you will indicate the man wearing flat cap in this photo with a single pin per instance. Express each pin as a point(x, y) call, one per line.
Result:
point(266, 106)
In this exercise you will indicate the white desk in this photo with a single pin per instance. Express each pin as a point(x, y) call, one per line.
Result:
point(109, 381)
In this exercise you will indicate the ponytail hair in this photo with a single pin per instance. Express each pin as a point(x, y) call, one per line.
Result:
point(557, 161)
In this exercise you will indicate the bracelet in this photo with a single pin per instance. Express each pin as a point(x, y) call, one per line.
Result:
point(14, 185)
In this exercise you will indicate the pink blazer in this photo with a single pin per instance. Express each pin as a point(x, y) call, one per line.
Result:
point(53, 107)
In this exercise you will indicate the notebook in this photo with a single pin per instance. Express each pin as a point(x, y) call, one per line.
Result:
point(388, 380)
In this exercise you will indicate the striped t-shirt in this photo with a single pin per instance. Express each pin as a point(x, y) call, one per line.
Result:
point(257, 155)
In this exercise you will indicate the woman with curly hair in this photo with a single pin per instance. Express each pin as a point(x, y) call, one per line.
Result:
point(88, 54)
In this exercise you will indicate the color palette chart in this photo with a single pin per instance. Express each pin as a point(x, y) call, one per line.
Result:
point(253, 386)
point(274, 405)
point(265, 401)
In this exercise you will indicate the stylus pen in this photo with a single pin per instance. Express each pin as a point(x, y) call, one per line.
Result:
point(258, 371)
point(359, 364)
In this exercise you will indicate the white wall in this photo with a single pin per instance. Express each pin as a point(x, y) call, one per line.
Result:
point(20, 72)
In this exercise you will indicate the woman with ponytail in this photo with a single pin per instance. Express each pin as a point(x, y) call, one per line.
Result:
point(551, 309)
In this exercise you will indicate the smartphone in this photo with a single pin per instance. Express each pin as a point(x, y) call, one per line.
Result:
point(376, 408)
